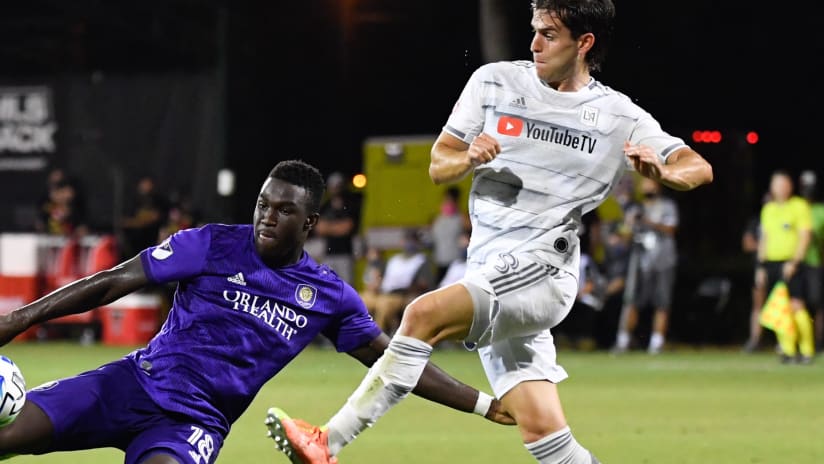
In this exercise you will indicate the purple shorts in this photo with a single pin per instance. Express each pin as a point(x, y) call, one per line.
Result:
point(107, 407)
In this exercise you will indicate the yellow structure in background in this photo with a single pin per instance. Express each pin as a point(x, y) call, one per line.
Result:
point(400, 193)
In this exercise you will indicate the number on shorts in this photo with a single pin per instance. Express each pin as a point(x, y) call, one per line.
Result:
point(506, 262)
point(204, 444)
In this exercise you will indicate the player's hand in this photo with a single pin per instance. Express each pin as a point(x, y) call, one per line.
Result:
point(644, 160)
point(498, 415)
point(483, 149)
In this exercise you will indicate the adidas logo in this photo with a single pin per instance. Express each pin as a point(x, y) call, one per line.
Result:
point(519, 102)
point(237, 279)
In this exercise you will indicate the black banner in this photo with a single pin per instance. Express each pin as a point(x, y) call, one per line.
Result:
point(27, 128)
point(113, 129)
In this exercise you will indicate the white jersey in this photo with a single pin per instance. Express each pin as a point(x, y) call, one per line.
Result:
point(562, 153)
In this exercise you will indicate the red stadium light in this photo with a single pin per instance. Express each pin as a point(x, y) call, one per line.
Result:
point(752, 137)
point(706, 136)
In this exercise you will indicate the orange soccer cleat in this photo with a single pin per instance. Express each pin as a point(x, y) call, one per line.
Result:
point(300, 441)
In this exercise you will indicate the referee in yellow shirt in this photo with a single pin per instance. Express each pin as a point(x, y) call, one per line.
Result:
point(786, 228)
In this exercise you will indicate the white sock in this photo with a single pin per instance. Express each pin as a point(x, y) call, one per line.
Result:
point(388, 381)
point(656, 341)
point(560, 447)
point(622, 341)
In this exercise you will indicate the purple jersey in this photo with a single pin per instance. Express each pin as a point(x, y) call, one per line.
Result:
point(235, 322)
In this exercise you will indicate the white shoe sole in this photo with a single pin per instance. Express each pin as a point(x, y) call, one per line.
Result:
point(278, 434)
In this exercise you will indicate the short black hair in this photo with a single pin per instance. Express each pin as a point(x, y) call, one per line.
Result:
point(581, 17)
point(297, 172)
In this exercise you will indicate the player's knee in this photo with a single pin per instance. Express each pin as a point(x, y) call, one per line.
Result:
point(30, 432)
point(537, 424)
point(418, 314)
point(5, 442)
point(420, 319)
point(11, 438)
point(533, 430)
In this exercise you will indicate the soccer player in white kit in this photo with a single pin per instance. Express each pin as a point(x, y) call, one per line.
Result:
point(545, 143)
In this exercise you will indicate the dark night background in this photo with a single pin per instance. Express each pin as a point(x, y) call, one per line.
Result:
point(313, 79)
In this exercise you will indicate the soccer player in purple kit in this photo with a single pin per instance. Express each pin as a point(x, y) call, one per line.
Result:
point(248, 300)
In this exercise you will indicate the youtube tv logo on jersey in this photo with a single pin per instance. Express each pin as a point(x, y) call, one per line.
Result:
point(508, 125)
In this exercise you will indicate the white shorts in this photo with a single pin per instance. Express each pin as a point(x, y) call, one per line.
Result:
point(517, 300)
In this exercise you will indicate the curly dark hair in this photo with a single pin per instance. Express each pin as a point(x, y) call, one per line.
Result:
point(302, 174)
point(581, 17)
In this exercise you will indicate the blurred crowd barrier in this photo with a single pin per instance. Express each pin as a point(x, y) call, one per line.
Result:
point(33, 265)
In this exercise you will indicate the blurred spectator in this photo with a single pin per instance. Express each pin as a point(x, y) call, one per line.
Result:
point(590, 236)
point(749, 245)
point(447, 228)
point(62, 206)
point(54, 178)
point(656, 271)
point(578, 328)
point(615, 268)
point(616, 242)
point(337, 227)
point(408, 274)
point(372, 278)
point(62, 214)
point(814, 260)
point(149, 210)
point(457, 267)
point(179, 216)
point(786, 225)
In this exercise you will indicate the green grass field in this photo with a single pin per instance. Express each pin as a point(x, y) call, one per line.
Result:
point(686, 407)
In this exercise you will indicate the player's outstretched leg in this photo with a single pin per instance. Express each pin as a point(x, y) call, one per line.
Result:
point(301, 442)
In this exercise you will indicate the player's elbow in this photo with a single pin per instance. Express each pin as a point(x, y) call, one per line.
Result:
point(704, 171)
point(704, 177)
point(708, 174)
point(436, 175)
point(694, 177)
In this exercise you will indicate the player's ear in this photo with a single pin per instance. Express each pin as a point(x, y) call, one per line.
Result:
point(311, 220)
point(585, 43)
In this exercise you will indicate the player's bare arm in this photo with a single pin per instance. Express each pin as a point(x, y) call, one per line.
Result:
point(91, 292)
point(685, 168)
point(435, 384)
point(452, 158)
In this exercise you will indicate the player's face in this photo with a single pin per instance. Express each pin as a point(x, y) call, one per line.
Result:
point(281, 221)
point(554, 51)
